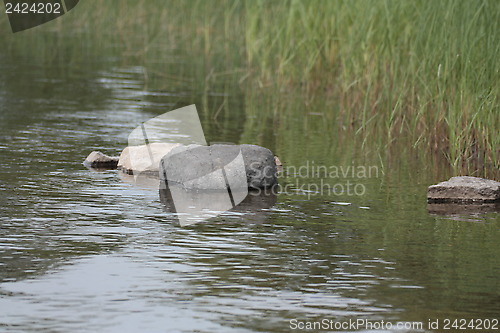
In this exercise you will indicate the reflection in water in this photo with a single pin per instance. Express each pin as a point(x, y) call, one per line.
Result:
point(461, 208)
point(141, 180)
point(224, 279)
point(88, 251)
point(254, 208)
point(180, 126)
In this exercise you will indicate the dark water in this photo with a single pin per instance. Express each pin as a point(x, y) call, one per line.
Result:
point(84, 251)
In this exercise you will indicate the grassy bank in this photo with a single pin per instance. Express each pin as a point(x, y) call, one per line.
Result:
point(422, 74)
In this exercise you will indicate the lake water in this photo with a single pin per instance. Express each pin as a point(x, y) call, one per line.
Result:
point(86, 251)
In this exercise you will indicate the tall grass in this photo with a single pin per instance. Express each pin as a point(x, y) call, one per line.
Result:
point(423, 74)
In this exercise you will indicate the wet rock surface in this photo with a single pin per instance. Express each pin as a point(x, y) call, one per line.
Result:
point(464, 189)
point(98, 160)
point(219, 167)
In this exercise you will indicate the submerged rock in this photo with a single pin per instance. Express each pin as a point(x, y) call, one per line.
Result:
point(144, 159)
point(220, 167)
point(98, 160)
point(464, 189)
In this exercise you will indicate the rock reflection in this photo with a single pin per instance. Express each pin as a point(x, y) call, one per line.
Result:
point(253, 209)
point(464, 209)
point(143, 181)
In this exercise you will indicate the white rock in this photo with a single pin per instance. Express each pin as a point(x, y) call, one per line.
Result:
point(144, 159)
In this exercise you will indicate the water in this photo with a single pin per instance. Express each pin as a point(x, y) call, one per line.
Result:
point(88, 251)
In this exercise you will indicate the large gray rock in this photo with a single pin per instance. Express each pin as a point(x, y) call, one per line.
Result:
point(144, 159)
point(98, 160)
point(464, 189)
point(219, 167)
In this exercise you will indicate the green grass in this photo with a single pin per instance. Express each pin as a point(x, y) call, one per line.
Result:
point(421, 74)
point(425, 72)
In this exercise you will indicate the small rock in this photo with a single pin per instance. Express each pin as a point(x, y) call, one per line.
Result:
point(279, 165)
point(464, 189)
point(144, 159)
point(98, 160)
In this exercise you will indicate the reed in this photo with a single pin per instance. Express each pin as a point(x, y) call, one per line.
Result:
point(424, 74)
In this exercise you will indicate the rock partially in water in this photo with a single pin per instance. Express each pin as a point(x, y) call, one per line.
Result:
point(98, 160)
point(218, 167)
point(202, 182)
point(464, 189)
point(144, 159)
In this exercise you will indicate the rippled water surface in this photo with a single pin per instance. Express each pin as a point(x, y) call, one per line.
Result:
point(86, 251)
